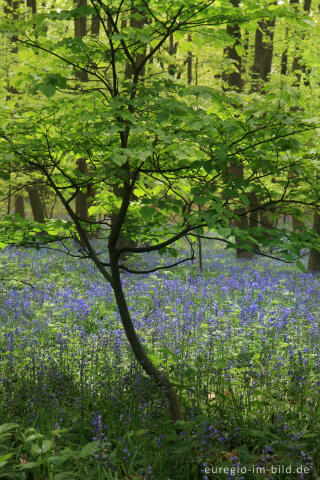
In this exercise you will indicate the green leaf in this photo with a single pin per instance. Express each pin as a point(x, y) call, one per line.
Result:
point(119, 159)
point(4, 176)
point(7, 427)
point(45, 447)
point(60, 459)
point(240, 50)
point(5, 457)
point(147, 212)
point(29, 465)
point(89, 449)
point(47, 89)
point(66, 475)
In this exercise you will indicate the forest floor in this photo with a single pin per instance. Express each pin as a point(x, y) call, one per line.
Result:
point(241, 342)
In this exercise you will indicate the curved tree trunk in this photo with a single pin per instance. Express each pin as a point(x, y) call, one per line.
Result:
point(160, 378)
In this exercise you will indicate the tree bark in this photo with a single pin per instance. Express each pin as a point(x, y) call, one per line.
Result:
point(82, 197)
point(260, 75)
point(233, 81)
point(254, 214)
point(36, 204)
point(314, 258)
point(160, 378)
point(298, 65)
point(138, 24)
point(95, 25)
point(19, 206)
point(189, 63)
point(80, 31)
point(263, 54)
point(297, 225)
point(172, 50)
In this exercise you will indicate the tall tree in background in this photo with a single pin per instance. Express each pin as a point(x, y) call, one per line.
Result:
point(260, 75)
point(263, 54)
point(19, 206)
point(36, 203)
point(299, 68)
point(314, 257)
point(80, 31)
point(232, 78)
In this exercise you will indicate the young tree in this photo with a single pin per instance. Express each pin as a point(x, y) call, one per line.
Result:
point(159, 149)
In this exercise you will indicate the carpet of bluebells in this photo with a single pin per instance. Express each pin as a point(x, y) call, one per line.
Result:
point(240, 341)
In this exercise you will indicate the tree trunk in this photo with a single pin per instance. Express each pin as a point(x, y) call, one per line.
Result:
point(314, 258)
point(134, 23)
point(162, 381)
point(95, 25)
point(263, 54)
point(80, 31)
point(190, 63)
point(260, 75)
point(125, 240)
point(298, 65)
point(254, 214)
point(297, 225)
point(233, 81)
point(19, 206)
point(36, 204)
point(82, 197)
point(172, 50)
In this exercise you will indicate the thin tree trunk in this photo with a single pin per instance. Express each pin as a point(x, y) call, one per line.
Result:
point(172, 50)
point(115, 281)
point(160, 378)
point(200, 255)
point(190, 63)
point(82, 197)
point(80, 31)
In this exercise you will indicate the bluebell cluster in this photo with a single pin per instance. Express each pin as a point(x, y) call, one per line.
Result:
point(240, 341)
